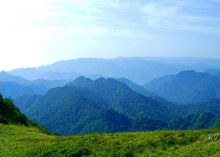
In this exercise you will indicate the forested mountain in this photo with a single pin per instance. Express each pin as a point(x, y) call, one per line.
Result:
point(24, 102)
point(186, 87)
point(103, 105)
point(11, 115)
point(70, 110)
point(212, 106)
point(138, 70)
point(194, 121)
point(124, 100)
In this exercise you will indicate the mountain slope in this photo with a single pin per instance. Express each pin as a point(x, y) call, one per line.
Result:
point(186, 87)
point(25, 102)
point(135, 87)
point(84, 106)
point(103, 105)
point(70, 110)
point(11, 114)
point(194, 121)
point(122, 99)
point(211, 106)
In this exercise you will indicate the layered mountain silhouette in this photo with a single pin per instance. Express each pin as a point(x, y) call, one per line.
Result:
point(186, 87)
point(15, 86)
point(138, 70)
point(102, 105)
point(136, 87)
point(110, 98)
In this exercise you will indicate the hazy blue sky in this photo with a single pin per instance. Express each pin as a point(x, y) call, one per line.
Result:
point(35, 32)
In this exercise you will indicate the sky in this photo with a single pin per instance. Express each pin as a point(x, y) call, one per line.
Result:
point(40, 32)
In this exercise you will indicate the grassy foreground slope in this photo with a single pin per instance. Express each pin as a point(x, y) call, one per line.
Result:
point(20, 140)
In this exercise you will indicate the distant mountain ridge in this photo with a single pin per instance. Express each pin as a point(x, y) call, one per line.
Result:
point(35, 74)
point(186, 87)
point(137, 69)
point(16, 86)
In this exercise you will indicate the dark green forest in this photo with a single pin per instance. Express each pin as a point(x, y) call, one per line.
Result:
point(108, 105)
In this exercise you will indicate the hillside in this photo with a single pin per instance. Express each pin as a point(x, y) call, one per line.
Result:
point(24, 102)
point(69, 110)
point(186, 87)
point(17, 141)
point(11, 114)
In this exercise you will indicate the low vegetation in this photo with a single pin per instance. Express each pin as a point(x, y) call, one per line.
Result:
point(20, 140)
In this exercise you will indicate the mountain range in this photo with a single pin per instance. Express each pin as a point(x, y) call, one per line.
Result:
point(108, 105)
point(110, 97)
point(15, 86)
point(186, 87)
point(137, 69)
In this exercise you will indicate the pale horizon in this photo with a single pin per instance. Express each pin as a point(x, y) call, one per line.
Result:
point(47, 64)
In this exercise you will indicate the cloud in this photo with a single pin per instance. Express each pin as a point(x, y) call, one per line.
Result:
point(30, 25)
point(171, 16)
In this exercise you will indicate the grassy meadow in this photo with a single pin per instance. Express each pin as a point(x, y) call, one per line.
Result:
point(22, 141)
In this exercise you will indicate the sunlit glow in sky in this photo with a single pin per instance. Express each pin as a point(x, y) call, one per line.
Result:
point(37, 32)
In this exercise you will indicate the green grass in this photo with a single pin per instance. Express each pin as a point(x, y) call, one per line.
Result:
point(22, 141)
